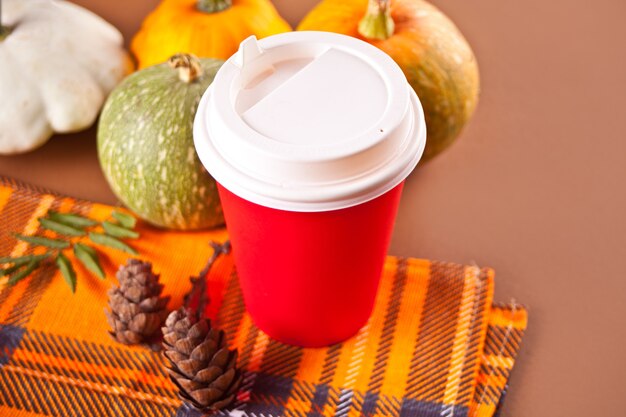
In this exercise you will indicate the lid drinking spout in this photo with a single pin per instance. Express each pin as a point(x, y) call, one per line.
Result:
point(249, 50)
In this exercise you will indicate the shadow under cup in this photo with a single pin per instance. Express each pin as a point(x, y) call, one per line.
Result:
point(310, 278)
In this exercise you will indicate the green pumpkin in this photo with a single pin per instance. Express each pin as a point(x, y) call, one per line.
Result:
point(145, 145)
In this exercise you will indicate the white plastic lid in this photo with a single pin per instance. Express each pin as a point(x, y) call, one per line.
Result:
point(309, 121)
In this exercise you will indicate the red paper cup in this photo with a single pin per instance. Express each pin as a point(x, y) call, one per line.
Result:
point(310, 278)
point(309, 136)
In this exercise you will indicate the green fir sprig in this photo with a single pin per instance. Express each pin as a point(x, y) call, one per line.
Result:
point(73, 232)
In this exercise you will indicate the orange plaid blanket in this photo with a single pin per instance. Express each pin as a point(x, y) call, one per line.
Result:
point(434, 346)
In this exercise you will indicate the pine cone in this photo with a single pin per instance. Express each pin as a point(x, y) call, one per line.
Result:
point(199, 362)
point(137, 310)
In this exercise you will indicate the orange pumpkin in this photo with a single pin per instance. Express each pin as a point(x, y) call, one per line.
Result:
point(435, 57)
point(206, 28)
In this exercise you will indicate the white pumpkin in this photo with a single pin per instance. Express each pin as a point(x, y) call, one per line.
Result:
point(58, 63)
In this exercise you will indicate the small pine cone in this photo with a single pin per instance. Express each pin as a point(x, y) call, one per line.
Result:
point(137, 309)
point(199, 362)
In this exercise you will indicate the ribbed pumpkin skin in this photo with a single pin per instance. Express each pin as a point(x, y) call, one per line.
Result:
point(177, 26)
point(146, 149)
point(435, 57)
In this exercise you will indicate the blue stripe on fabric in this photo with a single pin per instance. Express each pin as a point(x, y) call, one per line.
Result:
point(369, 404)
point(278, 387)
point(10, 338)
point(413, 408)
point(320, 397)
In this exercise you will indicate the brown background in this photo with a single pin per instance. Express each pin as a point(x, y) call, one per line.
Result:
point(535, 187)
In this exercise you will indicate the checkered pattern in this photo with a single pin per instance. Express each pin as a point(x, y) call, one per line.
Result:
point(434, 346)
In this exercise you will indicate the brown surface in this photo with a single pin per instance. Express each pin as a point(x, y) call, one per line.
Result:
point(535, 187)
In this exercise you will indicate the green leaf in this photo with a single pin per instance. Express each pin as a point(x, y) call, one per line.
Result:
point(105, 240)
point(61, 228)
point(22, 260)
point(124, 219)
point(115, 230)
point(20, 275)
point(86, 256)
point(67, 270)
point(89, 249)
point(71, 219)
point(44, 241)
point(9, 270)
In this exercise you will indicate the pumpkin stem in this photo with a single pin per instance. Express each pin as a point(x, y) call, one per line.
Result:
point(213, 6)
point(188, 66)
point(4, 30)
point(377, 22)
